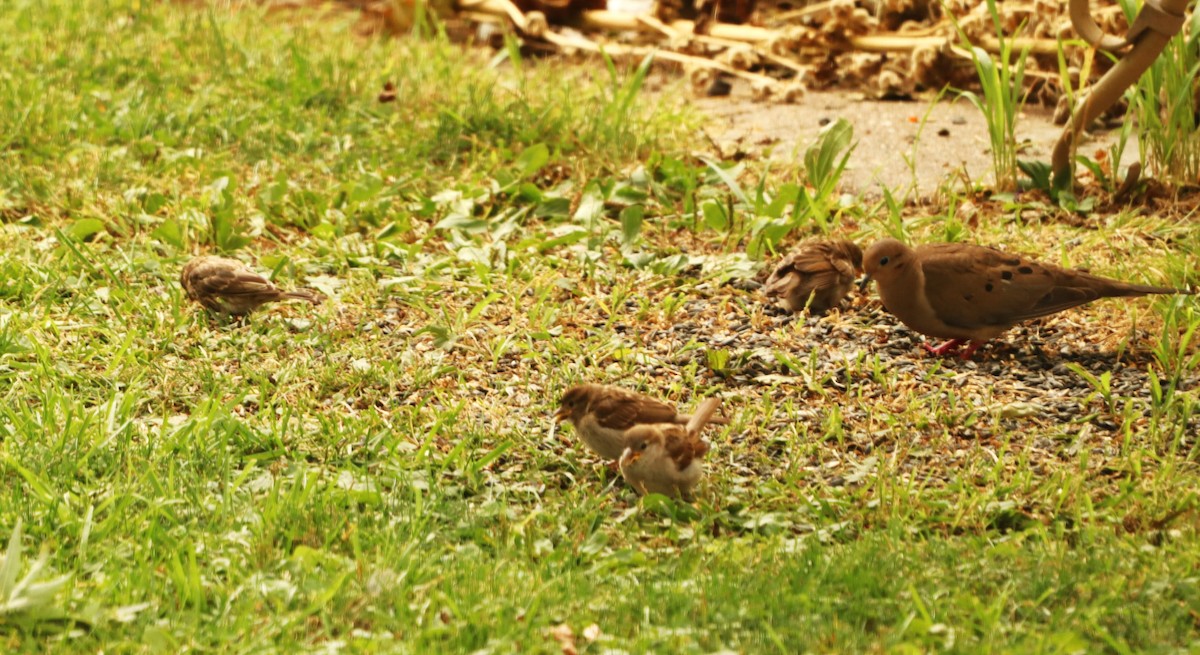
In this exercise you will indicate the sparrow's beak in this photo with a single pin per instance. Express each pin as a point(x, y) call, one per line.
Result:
point(562, 414)
point(630, 456)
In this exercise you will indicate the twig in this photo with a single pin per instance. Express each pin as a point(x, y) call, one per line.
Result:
point(654, 23)
point(620, 50)
point(725, 34)
point(815, 8)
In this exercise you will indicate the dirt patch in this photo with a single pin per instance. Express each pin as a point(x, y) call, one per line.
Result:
point(952, 149)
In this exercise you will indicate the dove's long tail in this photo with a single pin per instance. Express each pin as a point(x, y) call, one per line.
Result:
point(1127, 289)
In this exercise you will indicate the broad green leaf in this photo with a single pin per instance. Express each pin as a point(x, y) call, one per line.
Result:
point(729, 177)
point(458, 221)
point(631, 223)
point(821, 158)
point(784, 197)
point(532, 159)
point(84, 228)
point(591, 205)
point(323, 230)
point(153, 202)
point(553, 207)
point(714, 215)
point(529, 192)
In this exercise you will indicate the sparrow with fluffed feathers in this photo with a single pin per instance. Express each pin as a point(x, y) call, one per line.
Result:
point(602, 414)
point(666, 458)
point(227, 286)
point(823, 270)
point(969, 294)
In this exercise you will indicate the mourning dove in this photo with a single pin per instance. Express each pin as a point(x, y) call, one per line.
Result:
point(229, 287)
point(602, 414)
point(823, 270)
point(665, 458)
point(969, 293)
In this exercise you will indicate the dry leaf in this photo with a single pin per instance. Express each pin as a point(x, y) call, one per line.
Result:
point(389, 93)
point(565, 636)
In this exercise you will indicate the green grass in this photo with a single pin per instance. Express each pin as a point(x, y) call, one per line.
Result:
point(378, 474)
point(1163, 102)
point(1002, 88)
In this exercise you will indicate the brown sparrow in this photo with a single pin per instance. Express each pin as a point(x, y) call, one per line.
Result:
point(821, 269)
point(665, 458)
point(229, 287)
point(602, 414)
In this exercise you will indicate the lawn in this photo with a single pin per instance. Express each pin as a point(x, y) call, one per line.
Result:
point(380, 473)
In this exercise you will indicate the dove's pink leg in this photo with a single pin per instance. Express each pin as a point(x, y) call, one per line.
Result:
point(972, 346)
point(954, 344)
point(950, 345)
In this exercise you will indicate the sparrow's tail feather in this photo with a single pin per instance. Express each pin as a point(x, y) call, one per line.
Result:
point(303, 294)
point(684, 419)
point(704, 413)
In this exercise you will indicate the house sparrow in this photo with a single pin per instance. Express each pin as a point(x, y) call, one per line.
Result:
point(969, 294)
point(602, 414)
point(664, 458)
point(821, 269)
point(228, 286)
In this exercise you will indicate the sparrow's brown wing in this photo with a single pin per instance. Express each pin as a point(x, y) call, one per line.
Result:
point(817, 257)
point(826, 268)
point(225, 285)
point(782, 281)
point(794, 269)
point(622, 410)
point(684, 448)
point(227, 282)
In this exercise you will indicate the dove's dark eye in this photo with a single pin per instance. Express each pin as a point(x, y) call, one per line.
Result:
point(883, 261)
point(642, 446)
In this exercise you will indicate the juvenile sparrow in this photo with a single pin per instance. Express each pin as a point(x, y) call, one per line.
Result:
point(602, 414)
point(229, 287)
point(664, 458)
point(969, 294)
point(821, 269)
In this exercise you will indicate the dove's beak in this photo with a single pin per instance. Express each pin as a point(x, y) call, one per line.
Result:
point(862, 285)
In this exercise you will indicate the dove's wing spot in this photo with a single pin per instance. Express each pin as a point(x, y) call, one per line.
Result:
point(1007, 275)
